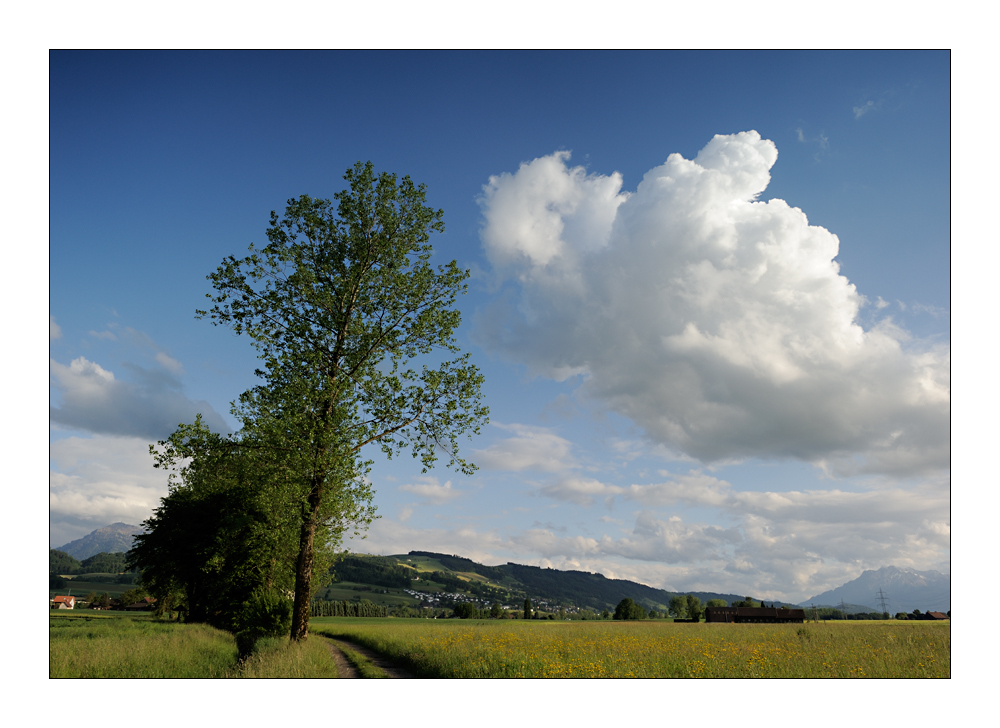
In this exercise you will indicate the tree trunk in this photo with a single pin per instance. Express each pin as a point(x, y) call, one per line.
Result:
point(304, 565)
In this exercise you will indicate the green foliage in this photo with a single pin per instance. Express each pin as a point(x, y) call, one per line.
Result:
point(132, 596)
point(103, 563)
point(466, 610)
point(341, 304)
point(226, 529)
point(56, 581)
point(364, 608)
point(460, 563)
point(267, 613)
point(372, 570)
point(717, 603)
point(527, 609)
point(694, 607)
point(62, 563)
point(628, 609)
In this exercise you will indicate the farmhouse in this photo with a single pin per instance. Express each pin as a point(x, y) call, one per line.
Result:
point(768, 615)
point(63, 602)
point(935, 615)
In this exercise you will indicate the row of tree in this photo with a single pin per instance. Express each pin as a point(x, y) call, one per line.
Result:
point(345, 311)
point(682, 606)
point(364, 608)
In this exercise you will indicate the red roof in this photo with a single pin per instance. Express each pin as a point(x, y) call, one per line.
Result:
point(68, 600)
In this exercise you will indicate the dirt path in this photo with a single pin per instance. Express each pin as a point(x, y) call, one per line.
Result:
point(344, 668)
point(390, 669)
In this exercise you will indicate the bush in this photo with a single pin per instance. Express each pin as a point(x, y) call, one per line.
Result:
point(266, 614)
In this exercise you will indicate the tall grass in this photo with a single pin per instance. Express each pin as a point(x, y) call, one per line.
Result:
point(280, 657)
point(654, 649)
point(132, 648)
point(139, 647)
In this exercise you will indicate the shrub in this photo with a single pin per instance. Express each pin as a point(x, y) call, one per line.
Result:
point(266, 614)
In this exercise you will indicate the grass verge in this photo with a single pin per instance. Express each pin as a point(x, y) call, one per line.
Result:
point(279, 657)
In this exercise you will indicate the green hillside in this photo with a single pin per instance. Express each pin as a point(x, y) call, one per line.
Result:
point(425, 577)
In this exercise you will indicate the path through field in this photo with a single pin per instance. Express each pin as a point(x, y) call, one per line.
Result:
point(346, 669)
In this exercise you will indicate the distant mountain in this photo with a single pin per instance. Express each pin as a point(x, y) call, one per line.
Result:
point(904, 589)
point(112, 539)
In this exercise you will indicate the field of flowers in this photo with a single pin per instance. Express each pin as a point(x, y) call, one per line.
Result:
point(488, 648)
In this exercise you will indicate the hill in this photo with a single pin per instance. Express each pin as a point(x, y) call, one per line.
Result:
point(116, 538)
point(576, 588)
point(905, 590)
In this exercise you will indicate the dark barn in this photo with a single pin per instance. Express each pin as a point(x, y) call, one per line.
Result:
point(767, 615)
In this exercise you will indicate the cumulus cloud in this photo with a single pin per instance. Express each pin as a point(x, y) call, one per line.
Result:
point(54, 331)
point(718, 323)
point(430, 489)
point(531, 448)
point(93, 399)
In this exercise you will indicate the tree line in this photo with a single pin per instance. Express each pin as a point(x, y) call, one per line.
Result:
point(364, 608)
point(61, 562)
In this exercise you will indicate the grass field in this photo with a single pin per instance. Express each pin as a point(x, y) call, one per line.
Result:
point(124, 645)
point(450, 648)
point(118, 644)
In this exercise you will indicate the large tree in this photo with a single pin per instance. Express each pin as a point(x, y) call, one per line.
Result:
point(346, 312)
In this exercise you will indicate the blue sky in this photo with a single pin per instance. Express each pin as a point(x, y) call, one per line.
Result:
point(684, 390)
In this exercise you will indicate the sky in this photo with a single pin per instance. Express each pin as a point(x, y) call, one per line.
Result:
point(710, 293)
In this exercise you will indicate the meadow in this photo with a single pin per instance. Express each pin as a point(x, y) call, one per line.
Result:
point(512, 649)
point(123, 645)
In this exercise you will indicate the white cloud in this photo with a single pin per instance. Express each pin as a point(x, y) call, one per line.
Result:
point(169, 363)
point(54, 331)
point(531, 448)
point(860, 111)
point(550, 204)
point(429, 488)
point(93, 399)
point(581, 491)
point(100, 480)
point(719, 324)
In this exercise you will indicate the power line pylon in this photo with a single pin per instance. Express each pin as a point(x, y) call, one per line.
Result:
point(882, 600)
